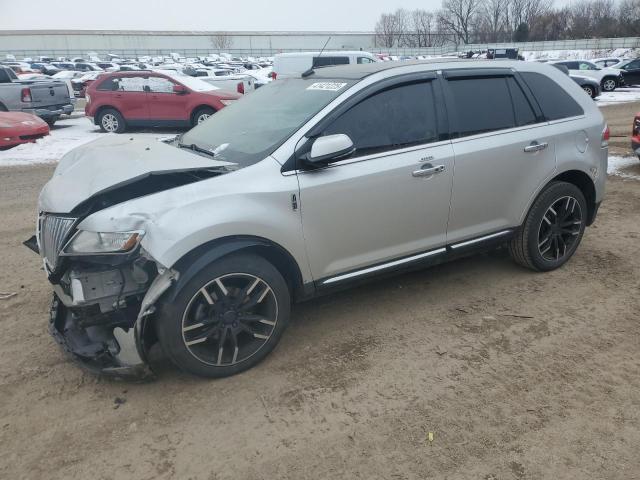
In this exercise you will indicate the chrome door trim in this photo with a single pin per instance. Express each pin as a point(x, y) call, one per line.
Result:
point(384, 266)
point(480, 239)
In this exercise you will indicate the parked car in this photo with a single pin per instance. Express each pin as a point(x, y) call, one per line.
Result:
point(80, 84)
point(610, 62)
point(287, 65)
point(17, 128)
point(87, 67)
point(45, 68)
point(589, 85)
point(203, 243)
point(630, 71)
point(118, 100)
point(237, 82)
point(47, 99)
point(609, 78)
point(635, 135)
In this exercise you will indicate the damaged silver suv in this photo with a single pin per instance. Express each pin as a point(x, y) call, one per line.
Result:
point(306, 186)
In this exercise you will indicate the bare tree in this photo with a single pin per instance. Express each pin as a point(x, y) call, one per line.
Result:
point(386, 30)
point(493, 18)
point(221, 41)
point(423, 23)
point(458, 16)
point(629, 17)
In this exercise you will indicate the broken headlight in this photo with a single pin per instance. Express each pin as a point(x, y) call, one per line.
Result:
point(95, 243)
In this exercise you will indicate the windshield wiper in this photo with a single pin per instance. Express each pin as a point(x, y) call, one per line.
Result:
point(195, 148)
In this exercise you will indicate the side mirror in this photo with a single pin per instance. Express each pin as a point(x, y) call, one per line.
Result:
point(331, 147)
point(179, 89)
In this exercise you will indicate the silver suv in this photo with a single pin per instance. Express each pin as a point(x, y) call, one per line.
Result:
point(306, 186)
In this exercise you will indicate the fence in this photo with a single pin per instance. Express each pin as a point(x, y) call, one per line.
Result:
point(136, 52)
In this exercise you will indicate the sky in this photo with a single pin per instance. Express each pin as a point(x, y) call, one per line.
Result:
point(214, 15)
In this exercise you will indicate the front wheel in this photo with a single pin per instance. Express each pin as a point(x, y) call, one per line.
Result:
point(227, 318)
point(553, 228)
point(590, 91)
point(609, 84)
point(111, 121)
point(202, 115)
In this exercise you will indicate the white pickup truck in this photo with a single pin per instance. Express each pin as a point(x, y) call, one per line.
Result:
point(48, 99)
point(226, 80)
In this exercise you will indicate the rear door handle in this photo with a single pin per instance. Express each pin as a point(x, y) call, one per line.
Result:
point(427, 170)
point(535, 147)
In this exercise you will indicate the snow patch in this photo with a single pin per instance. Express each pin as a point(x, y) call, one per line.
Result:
point(625, 167)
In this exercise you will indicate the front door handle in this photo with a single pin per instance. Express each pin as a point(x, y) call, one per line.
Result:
point(427, 170)
point(535, 147)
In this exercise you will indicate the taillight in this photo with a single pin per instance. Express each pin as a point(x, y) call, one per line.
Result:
point(26, 95)
point(636, 126)
point(273, 75)
point(606, 134)
point(241, 88)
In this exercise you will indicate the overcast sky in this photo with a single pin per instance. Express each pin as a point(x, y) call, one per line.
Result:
point(350, 15)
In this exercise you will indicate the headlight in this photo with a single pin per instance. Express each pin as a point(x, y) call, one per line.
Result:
point(227, 102)
point(85, 242)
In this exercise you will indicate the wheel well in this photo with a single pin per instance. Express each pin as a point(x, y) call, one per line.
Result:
point(3, 108)
point(586, 186)
point(103, 108)
point(199, 107)
point(212, 251)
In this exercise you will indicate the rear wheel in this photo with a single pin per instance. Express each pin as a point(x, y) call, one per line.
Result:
point(111, 121)
point(51, 121)
point(227, 318)
point(201, 115)
point(553, 228)
point(609, 84)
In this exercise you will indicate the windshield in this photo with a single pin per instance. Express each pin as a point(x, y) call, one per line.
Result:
point(253, 127)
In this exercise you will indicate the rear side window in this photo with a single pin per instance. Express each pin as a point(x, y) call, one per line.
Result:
point(394, 118)
point(485, 104)
point(326, 61)
point(109, 84)
point(554, 101)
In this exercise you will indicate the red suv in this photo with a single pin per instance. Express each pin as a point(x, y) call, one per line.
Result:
point(151, 99)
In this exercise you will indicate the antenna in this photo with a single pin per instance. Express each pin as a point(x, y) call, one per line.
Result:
point(311, 71)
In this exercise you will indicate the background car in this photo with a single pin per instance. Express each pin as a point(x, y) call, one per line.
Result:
point(153, 99)
point(589, 85)
point(18, 127)
point(609, 78)
point(630, 71)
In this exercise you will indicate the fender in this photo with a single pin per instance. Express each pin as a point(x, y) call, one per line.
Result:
point(194, 261)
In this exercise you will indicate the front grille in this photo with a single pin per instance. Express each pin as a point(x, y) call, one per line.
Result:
point(54, 231)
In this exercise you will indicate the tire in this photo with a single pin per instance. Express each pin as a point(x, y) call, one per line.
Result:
point(529, 248)
point(252, 316)
point(111, 121)
point(609, 84)
point(201, 115)
point(590, 91)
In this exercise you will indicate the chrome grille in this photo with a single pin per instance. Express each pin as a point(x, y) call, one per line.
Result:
point(53, 232)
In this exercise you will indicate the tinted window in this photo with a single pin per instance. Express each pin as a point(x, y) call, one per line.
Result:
point(482, 104)
point(365, 60)
point(522, 108)
point(109, 84)
point(394, 118)
point(325, 61)
point(553, 100)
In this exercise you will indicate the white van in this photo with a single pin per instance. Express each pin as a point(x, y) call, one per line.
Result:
point(286, 65)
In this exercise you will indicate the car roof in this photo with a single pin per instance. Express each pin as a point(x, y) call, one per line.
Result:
point(338, 53)
point(360, 71)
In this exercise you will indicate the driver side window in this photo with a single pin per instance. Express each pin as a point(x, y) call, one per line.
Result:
point(394, 118)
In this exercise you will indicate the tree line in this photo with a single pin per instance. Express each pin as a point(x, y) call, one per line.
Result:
point(492, 21)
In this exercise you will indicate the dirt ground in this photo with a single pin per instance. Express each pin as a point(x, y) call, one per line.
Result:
point(517, 375)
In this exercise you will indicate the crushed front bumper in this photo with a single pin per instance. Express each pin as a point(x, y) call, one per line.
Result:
point(114, 354)
point(113, 344)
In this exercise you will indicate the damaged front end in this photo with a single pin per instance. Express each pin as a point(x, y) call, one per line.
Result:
point(101, 301)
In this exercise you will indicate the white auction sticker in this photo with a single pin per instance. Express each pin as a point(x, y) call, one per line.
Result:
point(330, 86)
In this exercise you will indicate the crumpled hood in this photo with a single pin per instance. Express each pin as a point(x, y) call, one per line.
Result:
point(111, 162)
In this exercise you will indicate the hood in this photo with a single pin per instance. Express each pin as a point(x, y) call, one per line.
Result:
point(112, 162)
point(18, 119)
